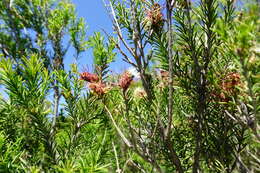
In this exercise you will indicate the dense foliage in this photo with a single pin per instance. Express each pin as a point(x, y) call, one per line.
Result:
point(194, 107)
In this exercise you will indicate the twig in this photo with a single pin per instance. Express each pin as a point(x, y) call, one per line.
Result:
point(118, 30)
point(118, 170)
point(126, 58)
point(126, 141)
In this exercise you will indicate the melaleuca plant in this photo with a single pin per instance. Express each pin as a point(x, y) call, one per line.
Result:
point(84, 94)
point(244, 51)
point(188, 48)
point(211, 88)
point(81, 113)
point(192, 107)
point(10, 154)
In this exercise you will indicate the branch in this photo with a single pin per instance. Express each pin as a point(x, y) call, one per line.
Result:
point(170, 56)
point(118, 30)
point(126, 58)
point(126, 141)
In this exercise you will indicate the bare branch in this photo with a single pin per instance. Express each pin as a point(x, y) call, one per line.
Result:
point(126, 58)
point(118, 30)
point(170, 56)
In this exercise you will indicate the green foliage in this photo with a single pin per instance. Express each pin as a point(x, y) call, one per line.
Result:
point(60, 18)
point(10, 154)
point(27, 91)
point(103, 53)
point(78, 34)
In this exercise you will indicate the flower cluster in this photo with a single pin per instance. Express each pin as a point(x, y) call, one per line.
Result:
point(228, 87)
point(94, 83)
point(89, 77)
point(125, 80)
point(163, 77)
point(154, 17)
point(230, 82)
point(99, 88)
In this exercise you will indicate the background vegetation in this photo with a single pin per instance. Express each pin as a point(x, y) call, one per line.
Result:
point(194, 108)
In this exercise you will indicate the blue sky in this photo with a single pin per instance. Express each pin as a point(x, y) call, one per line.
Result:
point(96, 17)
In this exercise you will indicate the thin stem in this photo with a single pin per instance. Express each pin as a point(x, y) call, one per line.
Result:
point(172, 153)
point(118, 170)
point(170, 56)
point(56, 103)
point(118, 30)
point(126, 141)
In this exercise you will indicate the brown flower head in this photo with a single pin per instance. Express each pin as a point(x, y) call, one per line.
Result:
point(139, 92)
point(228, 87)
point(164, 75)
point(230, 82)
point(98, 88)
point(155, 17)
point(125, 80)
point(89, 77)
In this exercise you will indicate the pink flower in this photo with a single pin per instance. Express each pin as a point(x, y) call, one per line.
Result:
point(89, 77)
point(125, 80)
point(98, 88)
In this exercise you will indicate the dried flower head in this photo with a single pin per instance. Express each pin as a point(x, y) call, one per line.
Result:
point(154, 18)
point(98, 88)
point(89, 77)
point(230, 82)
point(228, 87)
point(139, 92)
point(125, 80)
point(164, 75)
